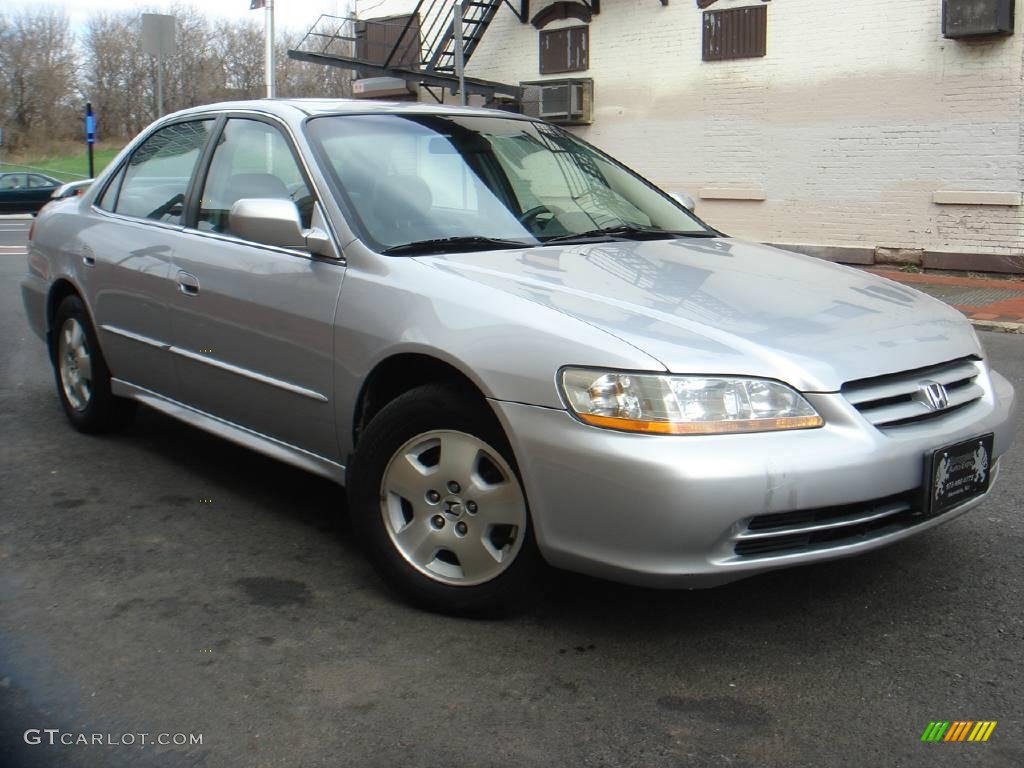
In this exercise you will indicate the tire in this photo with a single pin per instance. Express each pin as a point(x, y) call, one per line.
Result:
point(83, 379)
point(438, 505)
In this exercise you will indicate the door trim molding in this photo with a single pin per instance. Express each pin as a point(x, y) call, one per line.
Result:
point(287, 386)
point(135, 337)
point(238, 370)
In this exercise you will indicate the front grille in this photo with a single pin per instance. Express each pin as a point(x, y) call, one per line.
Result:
point(806, 530)
point(896, 399)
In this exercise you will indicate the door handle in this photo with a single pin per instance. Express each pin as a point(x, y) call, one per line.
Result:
point(188, 283)
point(89, 261)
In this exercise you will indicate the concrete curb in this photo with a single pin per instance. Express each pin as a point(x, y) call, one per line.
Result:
point(998, 327)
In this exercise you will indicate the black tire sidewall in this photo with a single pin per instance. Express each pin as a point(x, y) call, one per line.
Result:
point(421, 410)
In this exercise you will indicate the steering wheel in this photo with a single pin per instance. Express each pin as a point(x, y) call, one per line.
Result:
point(527, 218)
point(166, 208)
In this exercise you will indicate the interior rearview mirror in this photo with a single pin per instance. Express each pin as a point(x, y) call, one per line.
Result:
point(684, 200)
point(276, 221)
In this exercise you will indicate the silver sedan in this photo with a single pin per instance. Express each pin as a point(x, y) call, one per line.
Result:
point(513, 350)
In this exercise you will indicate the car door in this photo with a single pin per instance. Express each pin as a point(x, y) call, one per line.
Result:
point(126, 252)
point(252, 325)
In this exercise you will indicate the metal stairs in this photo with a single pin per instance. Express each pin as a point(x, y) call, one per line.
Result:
point(419, 46)
point(440, 43)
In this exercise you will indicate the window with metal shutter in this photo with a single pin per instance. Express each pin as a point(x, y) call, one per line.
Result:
point(737, 33)
point(564, 50)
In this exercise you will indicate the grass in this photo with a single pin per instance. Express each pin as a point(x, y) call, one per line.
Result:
point(66, 167)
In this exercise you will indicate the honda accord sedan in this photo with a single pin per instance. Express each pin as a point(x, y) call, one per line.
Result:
point(512, 350)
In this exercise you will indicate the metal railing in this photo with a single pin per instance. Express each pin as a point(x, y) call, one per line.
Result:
point(428, 30)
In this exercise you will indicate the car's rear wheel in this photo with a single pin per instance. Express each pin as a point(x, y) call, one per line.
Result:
point(83, 379)
point(438, 503)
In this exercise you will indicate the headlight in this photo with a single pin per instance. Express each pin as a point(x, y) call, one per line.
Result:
point(684, 405)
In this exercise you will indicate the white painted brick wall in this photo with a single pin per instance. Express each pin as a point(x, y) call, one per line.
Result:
point(858, 114)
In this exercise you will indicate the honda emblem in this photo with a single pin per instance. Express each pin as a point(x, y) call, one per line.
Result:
point(933, 394)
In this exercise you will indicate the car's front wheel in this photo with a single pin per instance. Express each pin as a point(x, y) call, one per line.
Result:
point(439, 506)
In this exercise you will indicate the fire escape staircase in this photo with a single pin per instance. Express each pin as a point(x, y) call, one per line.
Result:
point(476, 18)
point(430, 30)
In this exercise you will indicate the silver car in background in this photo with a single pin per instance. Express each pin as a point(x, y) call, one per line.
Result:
point(510, 348)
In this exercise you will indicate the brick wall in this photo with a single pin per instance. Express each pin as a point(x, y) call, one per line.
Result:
point(860, 112)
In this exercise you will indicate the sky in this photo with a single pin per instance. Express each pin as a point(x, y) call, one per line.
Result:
point(297, 15)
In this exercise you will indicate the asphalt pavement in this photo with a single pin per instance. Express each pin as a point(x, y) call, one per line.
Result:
point(162, 581)
point(13, 234)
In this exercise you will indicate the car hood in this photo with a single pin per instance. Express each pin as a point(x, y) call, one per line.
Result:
point(725, 306)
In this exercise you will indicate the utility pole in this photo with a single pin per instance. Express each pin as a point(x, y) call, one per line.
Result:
point(268, 53)
point(270, 49)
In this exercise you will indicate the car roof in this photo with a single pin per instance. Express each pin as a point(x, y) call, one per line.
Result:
point(297, 108)
point(27, 173)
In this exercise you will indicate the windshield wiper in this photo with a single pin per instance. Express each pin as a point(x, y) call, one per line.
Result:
point(625, 231)
point(454, 245)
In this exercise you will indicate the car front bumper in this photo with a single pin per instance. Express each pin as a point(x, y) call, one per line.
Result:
point(669, 510)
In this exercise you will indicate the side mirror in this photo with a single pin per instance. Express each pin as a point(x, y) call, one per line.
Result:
point(276, 221)
point(684, 200)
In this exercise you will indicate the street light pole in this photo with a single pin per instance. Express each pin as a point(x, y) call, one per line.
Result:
point(270, 49)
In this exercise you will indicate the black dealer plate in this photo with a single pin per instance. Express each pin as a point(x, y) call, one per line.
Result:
point(958, 473)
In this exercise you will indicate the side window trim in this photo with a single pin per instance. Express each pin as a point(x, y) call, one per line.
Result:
point(194, 191)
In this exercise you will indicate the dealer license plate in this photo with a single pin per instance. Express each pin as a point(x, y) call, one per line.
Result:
point(958, 473)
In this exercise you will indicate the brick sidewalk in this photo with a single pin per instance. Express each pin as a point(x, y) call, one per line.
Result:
point(983, 300)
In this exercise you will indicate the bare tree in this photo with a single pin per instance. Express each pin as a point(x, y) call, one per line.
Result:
point(297, 79)
point(45, 78)
point(115, 73)
point(240, 48)
point(37, 74)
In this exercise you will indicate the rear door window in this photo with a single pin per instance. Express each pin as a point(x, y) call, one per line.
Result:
point(109, 198)
point(157, 175)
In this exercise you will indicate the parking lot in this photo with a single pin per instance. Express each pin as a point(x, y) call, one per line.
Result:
point(164, 581)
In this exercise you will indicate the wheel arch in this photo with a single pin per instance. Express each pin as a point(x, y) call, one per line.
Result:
point(399, 373)
point(60, 290)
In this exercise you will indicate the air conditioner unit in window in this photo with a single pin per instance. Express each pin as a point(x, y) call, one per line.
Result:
point(565, 102)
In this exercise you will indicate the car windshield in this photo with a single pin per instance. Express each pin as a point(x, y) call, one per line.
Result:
point(476, 183)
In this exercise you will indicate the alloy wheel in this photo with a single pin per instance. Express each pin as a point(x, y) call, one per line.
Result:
point(75, 364)
point(453, 508)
